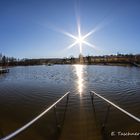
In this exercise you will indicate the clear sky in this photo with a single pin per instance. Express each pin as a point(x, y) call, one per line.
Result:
point(31, 28)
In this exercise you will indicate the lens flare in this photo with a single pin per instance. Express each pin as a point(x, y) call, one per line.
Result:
point(80, 39)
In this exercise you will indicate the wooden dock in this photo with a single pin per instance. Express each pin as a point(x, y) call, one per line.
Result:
point(136, 65)
point(4, 70)
point(82, 125)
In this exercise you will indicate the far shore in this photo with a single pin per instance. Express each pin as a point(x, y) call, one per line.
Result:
point(107, 60)
point(99, 64)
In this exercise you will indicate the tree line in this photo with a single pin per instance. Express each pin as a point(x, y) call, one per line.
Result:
point(5, 61)
point(105, 59)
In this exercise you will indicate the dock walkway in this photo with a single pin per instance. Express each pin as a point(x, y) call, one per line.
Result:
point(4, 70)
point(80, 123)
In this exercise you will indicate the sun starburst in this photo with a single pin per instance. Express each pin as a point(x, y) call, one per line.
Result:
point(80, 39)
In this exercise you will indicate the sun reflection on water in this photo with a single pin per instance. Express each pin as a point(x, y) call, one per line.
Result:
point(79, 73)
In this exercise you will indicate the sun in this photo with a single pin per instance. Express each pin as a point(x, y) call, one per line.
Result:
point(80, 40)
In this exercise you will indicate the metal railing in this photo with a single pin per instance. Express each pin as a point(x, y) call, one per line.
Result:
point(18, 131)
point(116, 106)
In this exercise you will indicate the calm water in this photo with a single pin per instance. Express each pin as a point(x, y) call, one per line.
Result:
point(27, 91)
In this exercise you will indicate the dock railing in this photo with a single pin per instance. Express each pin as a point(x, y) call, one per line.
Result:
point(24, 127)
point(92, 93)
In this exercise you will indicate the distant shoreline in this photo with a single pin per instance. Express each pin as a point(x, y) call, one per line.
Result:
point(108, 60)
point(98, 64)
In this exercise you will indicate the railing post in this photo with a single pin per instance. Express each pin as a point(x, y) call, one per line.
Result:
point(67, 98)
point(103, 129)
point(59, 124)
point(106, 116)
point(66, 103)
point(93, 107)
point(92, 97)
point(65, 109)
point(56, 120)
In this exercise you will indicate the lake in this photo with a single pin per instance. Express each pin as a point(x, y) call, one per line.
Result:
point(26, 91)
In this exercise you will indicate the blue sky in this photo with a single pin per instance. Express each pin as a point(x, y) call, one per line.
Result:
point(29, 28)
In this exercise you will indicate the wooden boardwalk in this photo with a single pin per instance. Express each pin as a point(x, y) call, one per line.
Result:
point(4, 70)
